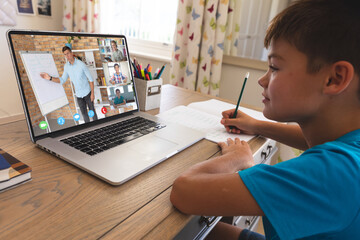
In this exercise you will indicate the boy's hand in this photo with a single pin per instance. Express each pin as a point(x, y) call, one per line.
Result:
point(238, 152)
point(243, 123)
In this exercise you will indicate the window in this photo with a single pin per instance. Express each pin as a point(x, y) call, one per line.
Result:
point(255, 16)
point(140, 21)
point(150, 25)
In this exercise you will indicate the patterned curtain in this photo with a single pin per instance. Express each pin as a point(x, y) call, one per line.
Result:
point(199, 44)
point(232, 28)
point(81, 16)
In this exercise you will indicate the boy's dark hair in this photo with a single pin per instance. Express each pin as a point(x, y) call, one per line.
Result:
point(116, 65)
point(66, 48)
point(326, 31)
point(113, 41)
point(117, 90)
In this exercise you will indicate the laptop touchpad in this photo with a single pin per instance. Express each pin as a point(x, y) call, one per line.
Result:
point(153, 146)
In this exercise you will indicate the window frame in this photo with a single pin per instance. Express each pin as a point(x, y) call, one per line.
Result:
point(149, 49)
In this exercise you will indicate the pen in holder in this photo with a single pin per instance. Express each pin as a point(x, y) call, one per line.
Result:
point(148, 93)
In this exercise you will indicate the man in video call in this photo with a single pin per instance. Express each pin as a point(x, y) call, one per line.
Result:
point(81, 78)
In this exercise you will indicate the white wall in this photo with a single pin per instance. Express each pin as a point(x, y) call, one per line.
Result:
point(232, 78)
point(10, 103)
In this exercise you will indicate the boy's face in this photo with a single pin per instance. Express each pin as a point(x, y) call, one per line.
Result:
point(290, 93)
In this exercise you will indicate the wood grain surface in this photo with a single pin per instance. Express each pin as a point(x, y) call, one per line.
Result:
point(64, 202)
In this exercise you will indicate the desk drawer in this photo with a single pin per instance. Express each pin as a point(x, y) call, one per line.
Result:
point(264, 154)
point(199, 227)
point(247, 222)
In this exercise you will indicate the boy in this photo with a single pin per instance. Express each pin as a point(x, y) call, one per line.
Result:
point(118, 77)
point(119, 100)
point(313, 80)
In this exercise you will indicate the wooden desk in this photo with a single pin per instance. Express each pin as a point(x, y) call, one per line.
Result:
point(64, 202)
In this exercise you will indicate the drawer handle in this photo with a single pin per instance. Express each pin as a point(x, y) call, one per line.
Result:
point(208, 220)
point(266, 153)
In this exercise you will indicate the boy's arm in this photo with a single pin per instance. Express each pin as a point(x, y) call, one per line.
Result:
point(121, 103)
point(124, 77)
point(290, 135)
point(214, 188)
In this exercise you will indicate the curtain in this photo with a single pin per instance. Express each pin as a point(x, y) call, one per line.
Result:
point(81, 16)
point(199, 44)
point(232, 28)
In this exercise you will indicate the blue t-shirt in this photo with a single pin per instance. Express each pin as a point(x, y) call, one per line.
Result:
point(313, 196)
point(79, 75)
point(119, 100)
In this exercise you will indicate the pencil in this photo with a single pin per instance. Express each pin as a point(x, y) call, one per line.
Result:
point(135, 69)
point(160, 72)
point(241, 93)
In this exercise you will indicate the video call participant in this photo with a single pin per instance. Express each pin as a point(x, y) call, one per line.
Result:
point(119, 100)
point(117, 55)
point(81, 78)
point(118, 77)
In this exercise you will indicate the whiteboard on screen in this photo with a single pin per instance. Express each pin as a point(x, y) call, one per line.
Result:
point(49, 95)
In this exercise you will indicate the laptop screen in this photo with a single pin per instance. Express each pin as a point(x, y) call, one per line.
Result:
point(70, 80)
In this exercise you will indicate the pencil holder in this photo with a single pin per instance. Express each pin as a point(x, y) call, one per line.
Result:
point(148, 93)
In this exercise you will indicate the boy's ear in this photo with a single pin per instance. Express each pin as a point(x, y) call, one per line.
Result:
point(341, 74)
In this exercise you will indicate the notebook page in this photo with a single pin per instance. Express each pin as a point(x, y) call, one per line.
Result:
point(208, 123)
point(216, 107)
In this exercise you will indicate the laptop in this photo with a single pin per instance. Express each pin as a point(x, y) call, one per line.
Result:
point(108, 137)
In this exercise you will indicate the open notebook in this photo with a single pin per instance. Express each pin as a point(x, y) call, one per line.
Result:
point(206, 115)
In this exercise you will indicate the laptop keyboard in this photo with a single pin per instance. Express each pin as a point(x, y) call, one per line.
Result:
point(105, 138)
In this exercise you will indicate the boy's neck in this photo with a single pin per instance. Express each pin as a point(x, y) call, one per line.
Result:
point(330, 125)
